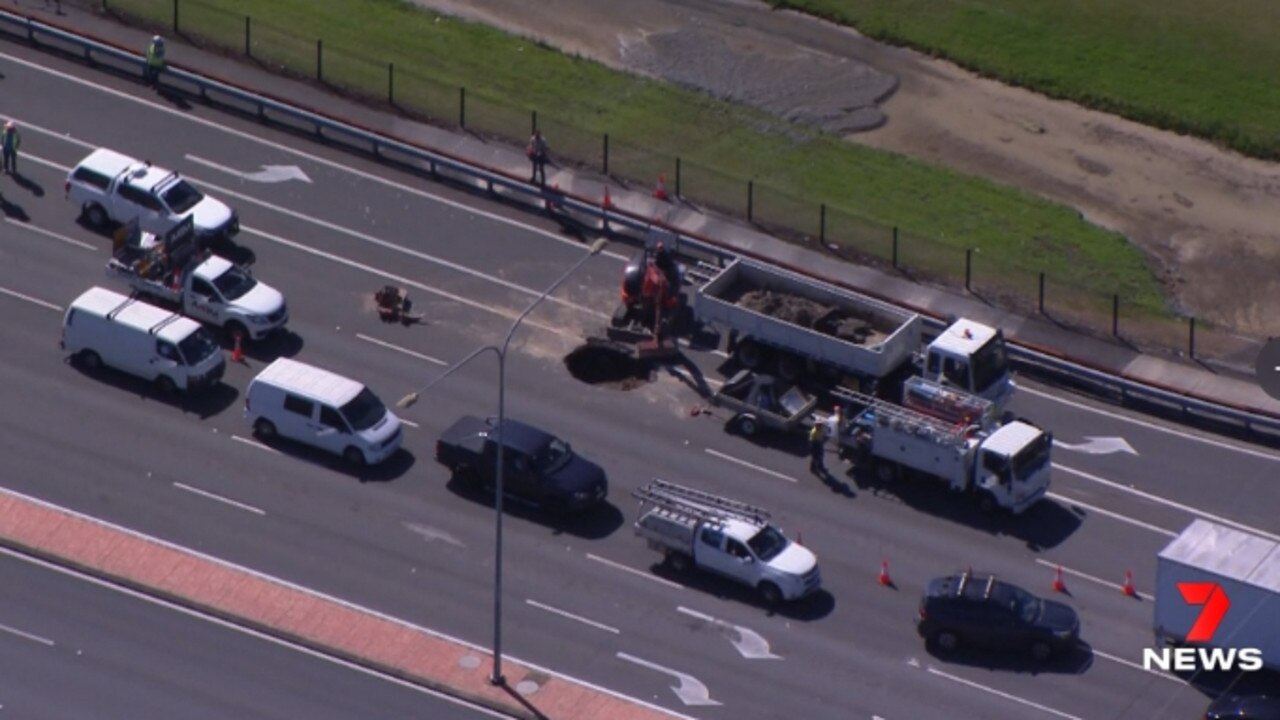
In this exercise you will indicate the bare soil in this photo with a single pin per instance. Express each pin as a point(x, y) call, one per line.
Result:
point(826, 319)
point(1208, 219)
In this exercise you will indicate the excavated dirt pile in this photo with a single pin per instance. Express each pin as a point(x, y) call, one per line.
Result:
point(826, 319)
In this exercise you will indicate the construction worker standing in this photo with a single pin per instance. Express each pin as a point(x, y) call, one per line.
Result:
point(10, 140)
point(155, 60)
point(537, 151)
point(818, 448)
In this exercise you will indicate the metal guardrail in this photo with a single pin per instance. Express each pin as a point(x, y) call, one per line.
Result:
point(266, 108)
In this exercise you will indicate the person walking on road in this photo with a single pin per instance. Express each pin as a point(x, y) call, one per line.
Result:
point(10, 140)
point(818, 448)
point(537, 152)
point(155, 60)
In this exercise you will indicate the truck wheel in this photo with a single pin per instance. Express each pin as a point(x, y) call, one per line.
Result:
point(96, 216)
point(748, 425)
point(264, 429)
point(166, 385)
point(770, 593)
point(353, 456)
point(886, 472)
point(749, 354)
point(987, 503)
point(90, 360)
point(945, 640)
point(233, 328)
point(679, 562)
point(1041, 651)
point(790, 368)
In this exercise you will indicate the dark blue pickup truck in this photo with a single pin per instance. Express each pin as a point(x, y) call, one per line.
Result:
point(540, 468)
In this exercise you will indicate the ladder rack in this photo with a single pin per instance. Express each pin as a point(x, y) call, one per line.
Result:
point(701, 273)
point(901, 418)
point(685, 501)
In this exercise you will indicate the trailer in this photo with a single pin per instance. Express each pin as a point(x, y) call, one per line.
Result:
point(763, 401)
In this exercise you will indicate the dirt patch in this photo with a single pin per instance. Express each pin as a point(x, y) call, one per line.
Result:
point(826, 319)
point(606, 367)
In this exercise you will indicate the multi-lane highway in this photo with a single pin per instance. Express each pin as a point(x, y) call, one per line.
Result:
point(581, 597)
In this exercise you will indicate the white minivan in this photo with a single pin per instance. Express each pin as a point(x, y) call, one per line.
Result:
point(300, 402)
point(103, 327)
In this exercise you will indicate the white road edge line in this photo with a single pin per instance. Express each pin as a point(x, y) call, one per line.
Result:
point(744, 463)
point(219, 498)
point(50, 233)
point(255, 443)
point(571, 616)
point(1167, 503)
point(1001, 693)
point(1150, 425)
point(27, 635)
point(1091, 578)
point(28, 298)
point(1115, 515)
point(1136, 666)
point(397, 348)
point(633, 571)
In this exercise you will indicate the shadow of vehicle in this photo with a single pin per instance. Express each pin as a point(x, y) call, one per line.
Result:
point(283, 343)
point(1075, 661)
point(807, 609)
point(595, 523)
point(229, 249)
point(204, 404)
point(390, 469)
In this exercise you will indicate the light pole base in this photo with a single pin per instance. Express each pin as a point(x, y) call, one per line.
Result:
point(497, 680)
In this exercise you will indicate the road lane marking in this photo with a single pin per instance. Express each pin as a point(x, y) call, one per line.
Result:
point(406, 351)
point(571, 616)
point(691, 690)
point(633, 571)
point(219, 498)
point(749, 643)
point(1113, 515)
point(28, 298)
point(410, 423)
point(52, 234)
point(430, 534)
point(1136, 666)
point(255, 443)
point(1168, 503)
point(1091, 578)
point(1000, 693)
point(1150, 425)
point(744, 463)
point(27, 636)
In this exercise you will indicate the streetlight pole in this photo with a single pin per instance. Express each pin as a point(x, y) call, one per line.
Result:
point(496, 677)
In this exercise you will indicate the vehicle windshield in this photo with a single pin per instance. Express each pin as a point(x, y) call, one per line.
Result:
point(198, 346)
point(1024, 604)
point(364, 410)
point(553, 456)
point(182, 196)
point(234, 283)
point(767, 543)
point(1032, 457)
point(990, 364)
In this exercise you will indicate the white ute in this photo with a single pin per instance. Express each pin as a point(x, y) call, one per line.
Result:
point(110, 187)
point(730, 538)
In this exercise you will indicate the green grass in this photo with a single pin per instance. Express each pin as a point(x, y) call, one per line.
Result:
point(650, 124)
point(1202, 68)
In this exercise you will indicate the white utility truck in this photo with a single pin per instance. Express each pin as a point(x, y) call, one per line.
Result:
point(206, 287)
point(1220, 569)
point(951, 436)
point(692, 528)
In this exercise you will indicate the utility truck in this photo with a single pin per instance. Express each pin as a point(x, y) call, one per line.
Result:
point(941, 433)
point(1211, 570)
point(799, 326)
point(206, 287)
point(692, 528)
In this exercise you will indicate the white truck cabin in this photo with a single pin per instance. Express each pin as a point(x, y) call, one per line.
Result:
point(1013, 465)
point(973, 357)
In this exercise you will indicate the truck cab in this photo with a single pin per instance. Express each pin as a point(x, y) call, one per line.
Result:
point(1012, 465)
point(973, 357)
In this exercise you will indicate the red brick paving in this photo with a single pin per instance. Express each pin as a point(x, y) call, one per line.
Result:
point(304, 616)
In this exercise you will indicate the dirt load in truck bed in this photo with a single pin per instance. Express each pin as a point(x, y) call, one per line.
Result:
point(846, 323)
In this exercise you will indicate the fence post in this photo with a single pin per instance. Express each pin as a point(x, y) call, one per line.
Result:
point(319, 60)
point(534, 119)
point(968, 269)
point(391, 84)
point(751, 196)
point(822, 224)
point(1191, 340)
point(678, 176)
point(175, 17)
point(606, 154)
point(1041, 293)
point(248, 46)
point(895, 247)
point(462, 107)
point(1115, 315)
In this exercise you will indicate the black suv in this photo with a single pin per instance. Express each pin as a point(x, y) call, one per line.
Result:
point(976, 609)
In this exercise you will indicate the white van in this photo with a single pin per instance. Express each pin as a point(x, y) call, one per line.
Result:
point(176, 353)
point(298, 401)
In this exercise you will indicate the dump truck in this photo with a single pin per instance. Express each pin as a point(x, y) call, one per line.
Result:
point(941, 433)
point(1217, 600)
point(798, 326)
point(693, 528)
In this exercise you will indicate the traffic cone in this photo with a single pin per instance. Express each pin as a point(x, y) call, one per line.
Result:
point(1128, 587)
point(237, 352)
point(660, 191)
point(884, 578)
point(1058, 585)
point(800, 538)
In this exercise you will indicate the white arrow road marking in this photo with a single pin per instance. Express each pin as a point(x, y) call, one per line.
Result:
point(430, 534)
point(268, 173)
point(691, 691)
point(748, 642)
point(1099, 446)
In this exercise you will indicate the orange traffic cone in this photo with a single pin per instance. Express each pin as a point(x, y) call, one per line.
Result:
point(1128, 587)
point(1058, 585)
point(607, 203)
point(884, 578)
point(660, 191)
point(800, 538)
point(237, 352)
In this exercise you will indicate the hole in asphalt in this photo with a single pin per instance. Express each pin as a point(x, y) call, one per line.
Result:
point(603, 365)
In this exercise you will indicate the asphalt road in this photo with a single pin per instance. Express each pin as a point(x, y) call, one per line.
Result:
point(581, 597)
point(74, 648)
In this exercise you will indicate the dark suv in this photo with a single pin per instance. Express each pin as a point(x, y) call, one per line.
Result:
point(976, 609)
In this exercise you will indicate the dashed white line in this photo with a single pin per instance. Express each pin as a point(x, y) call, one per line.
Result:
point(744, 463)
point(255, 443)
point(50, 233)
point(571, 616)
point(410, 423)
point(634, 571)
point(1091, 578)
point(28, 298)
point(1166, 502)
point(397, 348)
point(27, 635)
point(1002, 694)
point(1114, 515)
point(219, 498)
point(1136, 666)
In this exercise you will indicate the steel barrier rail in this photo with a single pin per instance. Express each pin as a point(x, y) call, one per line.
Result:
point(1031, 359)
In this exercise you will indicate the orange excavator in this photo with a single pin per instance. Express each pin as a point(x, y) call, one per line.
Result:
point(651, 301)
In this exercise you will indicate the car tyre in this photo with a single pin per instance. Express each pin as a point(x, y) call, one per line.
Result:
point(96, 216)
point(679, 562)
point(748, 425)
point(987, 503)
point(945, 641)
point(353, 456)
point(166, 385)
point(1041, 651)
point(90, 360)
point(749, 354)
point(770, 593)
point(264, 430)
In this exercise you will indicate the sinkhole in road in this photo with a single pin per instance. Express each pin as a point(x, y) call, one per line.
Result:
point(607, 367)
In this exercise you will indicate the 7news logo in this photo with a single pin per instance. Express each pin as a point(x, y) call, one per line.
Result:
point(1215, 603)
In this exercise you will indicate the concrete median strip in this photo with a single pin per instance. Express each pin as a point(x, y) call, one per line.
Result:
point(305, 617)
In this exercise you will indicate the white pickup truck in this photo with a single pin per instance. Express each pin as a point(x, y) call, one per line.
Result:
point(692, 528)
point(206, 287)
point(110, 187)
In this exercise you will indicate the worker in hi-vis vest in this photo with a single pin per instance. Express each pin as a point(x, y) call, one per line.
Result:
point(155, 59)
